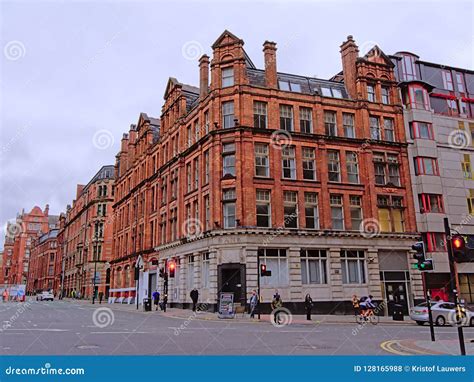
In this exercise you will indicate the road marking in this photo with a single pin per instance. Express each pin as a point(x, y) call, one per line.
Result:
point(39, 330)
point(122, 332)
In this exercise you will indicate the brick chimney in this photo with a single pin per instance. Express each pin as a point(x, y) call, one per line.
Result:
point(349, 55)
point(269, 53)
point(46, 210)
point(203, 75)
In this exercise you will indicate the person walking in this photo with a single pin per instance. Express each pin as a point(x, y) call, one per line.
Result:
point(253, 303)
point(194, 297)
point(5, 295)
point(277, 303)
point(156, 299)
point(101, 296)
point(308, 305)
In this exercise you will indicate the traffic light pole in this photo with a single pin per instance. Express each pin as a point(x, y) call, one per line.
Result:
point(452, 281)
point(258, 289)
point(428, 304)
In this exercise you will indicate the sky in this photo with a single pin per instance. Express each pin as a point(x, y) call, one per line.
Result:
point(75, 74)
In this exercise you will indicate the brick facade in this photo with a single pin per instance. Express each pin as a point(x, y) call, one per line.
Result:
point(86, 237)
point(186, 187)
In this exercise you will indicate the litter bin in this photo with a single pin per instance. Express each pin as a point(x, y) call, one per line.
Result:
point(147, 304)
point(397, 314)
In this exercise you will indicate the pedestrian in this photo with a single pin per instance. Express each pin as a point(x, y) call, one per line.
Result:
point(165, 301)
point(308, 304)
point(194, 297)
point(101, 296)
point(156, 299)
point(253, 303)
point(277, 303)
point(355, 304)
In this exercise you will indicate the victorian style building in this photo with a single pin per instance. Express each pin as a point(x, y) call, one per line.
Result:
point(308, 176)
point(43, 265)
point(19, 236)
point(85, 237)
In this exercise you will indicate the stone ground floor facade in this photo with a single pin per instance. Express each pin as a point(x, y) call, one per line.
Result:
point(331, 267)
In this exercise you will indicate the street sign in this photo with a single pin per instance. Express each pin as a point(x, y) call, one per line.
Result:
point(226, 305)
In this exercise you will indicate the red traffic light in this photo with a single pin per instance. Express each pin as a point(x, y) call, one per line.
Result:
point(171, 266)
point(263, 267)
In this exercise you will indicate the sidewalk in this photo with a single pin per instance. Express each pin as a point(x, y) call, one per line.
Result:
point(186, 314)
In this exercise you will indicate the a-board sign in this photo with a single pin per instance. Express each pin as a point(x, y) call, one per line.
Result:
point(226, 305)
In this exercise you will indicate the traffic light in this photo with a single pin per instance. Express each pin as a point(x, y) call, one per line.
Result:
point(263, 270)
point(162, 272)
point(423, 264)
point(459, 249)
point(171, 268)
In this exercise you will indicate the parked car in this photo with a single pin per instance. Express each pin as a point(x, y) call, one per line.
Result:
point(442, 312)
point(45, 296)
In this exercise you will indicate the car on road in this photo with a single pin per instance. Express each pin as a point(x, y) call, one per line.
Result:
point(45, 296)
point(442, 312)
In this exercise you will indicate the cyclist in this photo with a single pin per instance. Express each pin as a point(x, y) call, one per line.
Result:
point(366, 305)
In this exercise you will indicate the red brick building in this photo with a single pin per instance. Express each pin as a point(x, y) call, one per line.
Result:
point(18, 242)
point(43, 265)
point(305, 175)
point(86, 237)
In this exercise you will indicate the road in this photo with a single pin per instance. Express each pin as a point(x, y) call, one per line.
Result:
point(70, 328)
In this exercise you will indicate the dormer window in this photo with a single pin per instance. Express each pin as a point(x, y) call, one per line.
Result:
point(227, 77)
point(289, 86)
point(331, 92)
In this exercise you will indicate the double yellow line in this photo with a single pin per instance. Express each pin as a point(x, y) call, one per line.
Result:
point(390, 347)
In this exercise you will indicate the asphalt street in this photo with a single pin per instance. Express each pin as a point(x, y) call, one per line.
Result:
point(67, 327)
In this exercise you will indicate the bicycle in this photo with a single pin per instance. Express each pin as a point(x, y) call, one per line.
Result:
point(367, 316)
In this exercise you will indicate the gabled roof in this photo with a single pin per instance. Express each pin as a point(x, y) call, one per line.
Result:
point(172, 82)
point(377, 52)
point(226, 34)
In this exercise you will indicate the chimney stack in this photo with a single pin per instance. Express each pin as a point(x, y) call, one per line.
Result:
point(349, 55)
point(46, 210)
point(269, 53)
point(203, 75)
